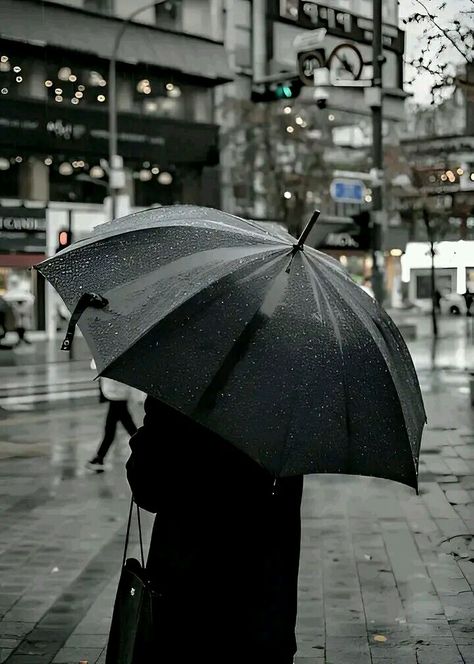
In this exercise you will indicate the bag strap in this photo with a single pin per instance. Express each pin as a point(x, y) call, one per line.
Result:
point(127, 536)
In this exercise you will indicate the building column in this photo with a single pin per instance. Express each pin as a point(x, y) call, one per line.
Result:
point(33, 182)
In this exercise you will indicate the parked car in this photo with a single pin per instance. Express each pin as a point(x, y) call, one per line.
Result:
point(453, 304)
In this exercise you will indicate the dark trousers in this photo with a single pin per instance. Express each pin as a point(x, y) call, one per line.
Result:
point(118, 412)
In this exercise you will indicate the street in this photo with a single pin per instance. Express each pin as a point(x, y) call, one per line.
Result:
point(385, 575)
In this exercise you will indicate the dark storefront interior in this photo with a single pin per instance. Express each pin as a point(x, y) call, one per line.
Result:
point(54, 116)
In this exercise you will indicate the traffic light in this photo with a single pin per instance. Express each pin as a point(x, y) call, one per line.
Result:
point(289, 89)
point(362, 231)
point(64, 239)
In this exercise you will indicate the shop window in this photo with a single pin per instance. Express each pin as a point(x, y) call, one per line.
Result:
point(289, 9)
point(159, 95)
point(10, 174)
point(164, 97)
point(199, 104)
point(15, 75)
point(150, 191)
point(169, 15)
point(76, 181)
point(444, 283)
point(68, 84)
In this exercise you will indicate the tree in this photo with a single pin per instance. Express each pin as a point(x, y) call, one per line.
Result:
point(275, 153)
point(446, 40)
point(281, 158)
point(418, 203)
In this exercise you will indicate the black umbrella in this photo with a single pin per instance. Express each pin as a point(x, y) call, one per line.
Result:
point(267, 342)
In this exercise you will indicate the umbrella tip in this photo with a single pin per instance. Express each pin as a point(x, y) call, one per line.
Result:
point(307, 229)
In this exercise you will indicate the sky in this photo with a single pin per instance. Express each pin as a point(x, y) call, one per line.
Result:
point(414, 37)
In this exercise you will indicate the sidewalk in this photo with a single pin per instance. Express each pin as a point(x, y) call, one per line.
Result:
point(386, 576)
point(39, 374)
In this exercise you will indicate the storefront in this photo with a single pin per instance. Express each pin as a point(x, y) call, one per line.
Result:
point(23, 244)
point(351, 246)
point(454, 269)
point(54, 89)
point(58, 154)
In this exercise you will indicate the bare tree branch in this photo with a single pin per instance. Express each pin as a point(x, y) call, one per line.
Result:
point(433, 19)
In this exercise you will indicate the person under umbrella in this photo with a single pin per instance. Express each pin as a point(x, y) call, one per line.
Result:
point(225, 545)
point(264, 361)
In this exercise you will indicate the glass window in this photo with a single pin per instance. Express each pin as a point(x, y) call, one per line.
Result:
point(169, 15)
point(99, 6)
point(198, 104)
point(69, 84)
point(163, 96)
point(443, 279)
point(289, 9)
point(159, 95)
point(15, 74)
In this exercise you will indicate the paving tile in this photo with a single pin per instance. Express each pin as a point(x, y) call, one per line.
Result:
point(75, 655)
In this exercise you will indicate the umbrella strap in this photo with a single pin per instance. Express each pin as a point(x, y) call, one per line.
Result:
point(127, 536)
point(86, 300)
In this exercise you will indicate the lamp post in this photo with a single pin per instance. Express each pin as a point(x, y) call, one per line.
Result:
point(378, 60)
point(116, 173)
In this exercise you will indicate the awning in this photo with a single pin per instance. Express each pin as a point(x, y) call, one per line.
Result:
point(21, 260)
point(66, 27)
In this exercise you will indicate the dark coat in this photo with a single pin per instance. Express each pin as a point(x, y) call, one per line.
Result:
point(224, 551)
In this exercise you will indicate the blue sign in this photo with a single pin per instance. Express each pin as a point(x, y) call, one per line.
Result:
point(347, 191)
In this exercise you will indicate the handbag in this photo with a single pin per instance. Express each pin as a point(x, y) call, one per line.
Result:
point(131, 631)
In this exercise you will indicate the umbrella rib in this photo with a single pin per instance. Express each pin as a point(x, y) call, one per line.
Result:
point(273, 297)
point(369, 322)
point(337, 330)
point(105, 231)
point(238, 267)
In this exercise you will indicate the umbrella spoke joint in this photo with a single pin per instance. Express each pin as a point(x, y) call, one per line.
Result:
point(299, 246)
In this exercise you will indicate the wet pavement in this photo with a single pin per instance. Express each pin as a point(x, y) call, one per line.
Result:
point(386, 576)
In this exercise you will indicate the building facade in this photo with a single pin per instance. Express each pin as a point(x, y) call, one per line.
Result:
point(54, 124)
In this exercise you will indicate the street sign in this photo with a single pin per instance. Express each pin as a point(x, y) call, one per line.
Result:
point(308, 39)
point(308, 63)
point(347, 191)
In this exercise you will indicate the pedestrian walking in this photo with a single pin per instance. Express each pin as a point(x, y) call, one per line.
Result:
point(469, 299)
point(225, 546)
point(117, 396)
point(21, 301)
point(7, 319)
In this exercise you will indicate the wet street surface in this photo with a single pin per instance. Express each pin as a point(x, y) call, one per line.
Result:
point(386, 576)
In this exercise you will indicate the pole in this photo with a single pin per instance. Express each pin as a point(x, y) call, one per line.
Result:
point(113, 140)
point(69, 225)
point(259, 41)
point(377, 153)
point(429, 233)
point(115, 161)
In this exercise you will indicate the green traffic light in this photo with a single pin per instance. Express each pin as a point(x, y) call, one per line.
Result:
point(283, 92)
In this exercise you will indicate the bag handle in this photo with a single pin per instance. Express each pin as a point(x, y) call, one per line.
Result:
point(86, 300)
point(127, 536)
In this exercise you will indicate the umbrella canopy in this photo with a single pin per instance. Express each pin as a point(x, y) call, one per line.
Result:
point(268, 343)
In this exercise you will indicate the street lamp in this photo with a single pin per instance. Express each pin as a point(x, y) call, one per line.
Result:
point(116, 173)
